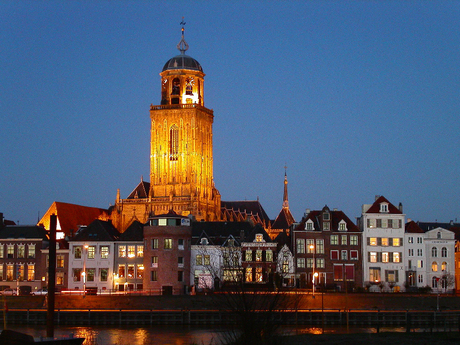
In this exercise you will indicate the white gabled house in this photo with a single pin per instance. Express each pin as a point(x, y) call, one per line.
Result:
point(440, 253)
point(382, 225)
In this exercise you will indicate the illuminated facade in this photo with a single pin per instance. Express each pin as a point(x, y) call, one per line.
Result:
point(181, 158)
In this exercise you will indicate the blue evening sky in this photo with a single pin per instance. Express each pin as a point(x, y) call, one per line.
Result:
point(357, 98)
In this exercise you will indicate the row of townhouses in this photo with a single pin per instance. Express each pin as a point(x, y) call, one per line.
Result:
point(173, 254)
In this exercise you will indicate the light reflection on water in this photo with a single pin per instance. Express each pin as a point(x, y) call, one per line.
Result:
point(178, 335)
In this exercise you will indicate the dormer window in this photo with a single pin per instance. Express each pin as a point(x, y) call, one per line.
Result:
point(438, 235)
point(384, 207)
point(309, 225)
point(204, 241)
point(342, 225)
point(259, 238)
point(326, 216)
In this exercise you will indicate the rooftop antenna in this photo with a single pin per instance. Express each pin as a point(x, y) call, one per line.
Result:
point(182, 45)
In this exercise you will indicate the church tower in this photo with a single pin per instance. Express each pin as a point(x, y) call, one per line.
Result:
point(181, 158)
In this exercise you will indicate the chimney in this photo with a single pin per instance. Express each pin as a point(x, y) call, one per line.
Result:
point(400, 207)
point(376, 197)
point(307, 212)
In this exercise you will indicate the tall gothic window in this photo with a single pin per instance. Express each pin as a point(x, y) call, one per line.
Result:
point(173, 143)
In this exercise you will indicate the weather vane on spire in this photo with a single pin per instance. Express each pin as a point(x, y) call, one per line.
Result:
point(182, 46)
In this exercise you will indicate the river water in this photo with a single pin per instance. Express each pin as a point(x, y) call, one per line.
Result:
point(170, 335)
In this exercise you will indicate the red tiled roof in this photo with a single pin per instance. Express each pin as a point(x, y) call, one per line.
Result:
point(375, 208)
point(71, 216)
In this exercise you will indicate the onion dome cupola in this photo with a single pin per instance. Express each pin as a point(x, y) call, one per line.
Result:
point(182, 78)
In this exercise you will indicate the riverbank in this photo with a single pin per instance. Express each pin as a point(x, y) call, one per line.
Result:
point(328, 301)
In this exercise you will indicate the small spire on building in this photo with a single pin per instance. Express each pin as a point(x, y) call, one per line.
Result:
point(182, 45)
point(285, 197)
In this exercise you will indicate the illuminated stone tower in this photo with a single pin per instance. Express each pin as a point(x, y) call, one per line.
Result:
point(181, 160)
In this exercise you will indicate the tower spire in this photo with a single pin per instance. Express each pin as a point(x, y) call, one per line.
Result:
point(182, 45)
point(285, 196)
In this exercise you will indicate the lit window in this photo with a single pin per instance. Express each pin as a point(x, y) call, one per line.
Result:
point(2, 251)
point(122, 251)
point(343, 240)
point(131, 251)
point(259, 238)
point(91, 252)
point(374, 274)
point(60, 261)
point(269, 256)
point(319, 263)
point(259, 274)
point(248, 255)
point(396, 257)
point(309, 225)
point(104, 252)
point(131, 271)
point(140, 271)
point(373, 241)
point(419, 263)
point(320, 246)
point(434, 266)
point(10, 252)
point(396, 242)
point(199, 260)
point(354, 240)
point(168, 243)
point(154, 261)
point(76, 273)
point(207, 260)
point(309, 262)
point(30, 272)
point(372, 256)
point(334, 239)
point(410, 240)
point(21, 251)
point(444, 266)
point(384, 241)
point(326, 226)
point(385, 257)
point(155, 243)
point(300, 262)
point(140, 251)
point(77, 252)
point(310, 244)
point(342, 226)
point(248, 274)
point(300, 246)
point(90, 272)
point(344, 255)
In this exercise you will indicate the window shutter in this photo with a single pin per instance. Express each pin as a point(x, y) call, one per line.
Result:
point(390, 241)
point(386, 275)
point(379, 241)
point(396, 276)
point(368, 256)
point(379, 257)
point(390, 257)
point(368, 241)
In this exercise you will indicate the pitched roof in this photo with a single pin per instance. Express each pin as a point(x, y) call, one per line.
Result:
point(249, 207)
point(26, 232)
point(284, 219)
point(70, 216)
point(335, 218)
point(375, 208)
point(218, 232)
point(98, 230)
point(141, 191)
point(135, 232)
point(258, 229)
point(413, 228)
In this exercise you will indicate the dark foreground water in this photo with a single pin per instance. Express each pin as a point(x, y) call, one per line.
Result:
point(173, 335)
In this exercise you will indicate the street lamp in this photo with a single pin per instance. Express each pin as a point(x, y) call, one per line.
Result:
point(314, 274)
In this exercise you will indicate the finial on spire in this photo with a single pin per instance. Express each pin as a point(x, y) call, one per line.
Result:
point(182, 45)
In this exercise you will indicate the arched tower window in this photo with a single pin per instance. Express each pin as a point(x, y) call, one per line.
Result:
point(173, 143)
point(189, 86)
point(175, 87)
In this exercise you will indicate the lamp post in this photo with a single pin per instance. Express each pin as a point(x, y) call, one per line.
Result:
point(312, 248)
